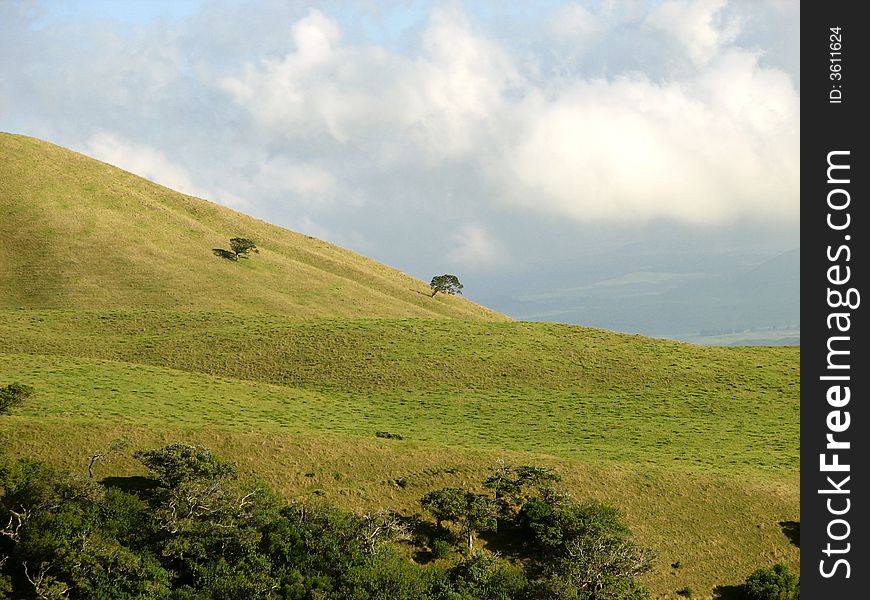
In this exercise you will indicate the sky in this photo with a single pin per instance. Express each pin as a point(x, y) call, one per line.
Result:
point(605, 163)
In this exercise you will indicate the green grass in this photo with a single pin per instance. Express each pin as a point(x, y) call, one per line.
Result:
point(113, 307)
point(698, 429)
point(699, 446)
point(719, 526)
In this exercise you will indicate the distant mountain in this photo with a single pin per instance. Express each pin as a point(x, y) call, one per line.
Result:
point(78, 233)
point(699, 305)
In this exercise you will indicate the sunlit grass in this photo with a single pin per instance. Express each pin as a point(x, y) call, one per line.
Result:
point(114, 308)
point(80, 233)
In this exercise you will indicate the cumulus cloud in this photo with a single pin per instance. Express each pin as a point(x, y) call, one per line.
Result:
point(623, 147)
point(697, 24)
point(364, 95)
point(142, 160)
point(383, 127)
point(716, 147)
point(474, 246)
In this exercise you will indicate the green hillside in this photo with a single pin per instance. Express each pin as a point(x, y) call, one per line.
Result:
point(78, 233)
point(566, 391)
point(113, 307)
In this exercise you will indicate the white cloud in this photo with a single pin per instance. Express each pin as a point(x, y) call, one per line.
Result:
point(144, 161)
point(619, 148)
point(722, 146)
point(381, 128)
point(475, 247)
point(441, 99)
point(694, 24)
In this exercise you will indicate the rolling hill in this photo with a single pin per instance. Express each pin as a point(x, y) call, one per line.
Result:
point(114, 308)
point(78, 233)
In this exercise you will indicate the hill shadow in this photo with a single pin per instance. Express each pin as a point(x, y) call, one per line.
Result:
point(729, 592)
point(792, 530)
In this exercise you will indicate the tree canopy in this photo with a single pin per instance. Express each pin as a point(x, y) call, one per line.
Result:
point(194, 531)
point(241, 246)
point(240, 249)
point(447, 284)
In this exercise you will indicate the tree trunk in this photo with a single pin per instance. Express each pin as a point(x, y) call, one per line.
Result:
point(94, 459)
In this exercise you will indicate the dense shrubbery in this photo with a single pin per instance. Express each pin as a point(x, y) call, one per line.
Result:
point(193, 531)
point(774, 583)
point(14, 394)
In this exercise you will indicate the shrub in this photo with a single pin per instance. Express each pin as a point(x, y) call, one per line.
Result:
point(13, 395)
point(440, 549)
point(773, 583)
point(178, 463)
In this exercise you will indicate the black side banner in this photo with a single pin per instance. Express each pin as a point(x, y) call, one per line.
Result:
point(835, 368)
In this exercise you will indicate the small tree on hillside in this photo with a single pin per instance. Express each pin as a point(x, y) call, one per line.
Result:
point(13, 394)
point(240, 249)
point(448, 284)
point(241, 246)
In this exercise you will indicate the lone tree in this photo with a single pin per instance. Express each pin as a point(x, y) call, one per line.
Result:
point(447, 284)
point(13, 395)
point(240, 248)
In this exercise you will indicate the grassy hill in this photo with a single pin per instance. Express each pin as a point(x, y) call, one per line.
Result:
point(114, 308)
point(78, 233)
point(565, 390)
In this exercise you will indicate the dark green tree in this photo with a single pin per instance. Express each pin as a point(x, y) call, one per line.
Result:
point(471, 512)
point(485, 576)
point(444, 504)
point(510, 484)
point(14, 394)
point(179, 463)
point(583, 549)
point(69, 537)
point(241, 246)
point(774, 583)
point(447, 284)
point(208, 523)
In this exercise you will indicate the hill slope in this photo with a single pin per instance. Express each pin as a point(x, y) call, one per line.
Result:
point(78, 233)
point(114, 308)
